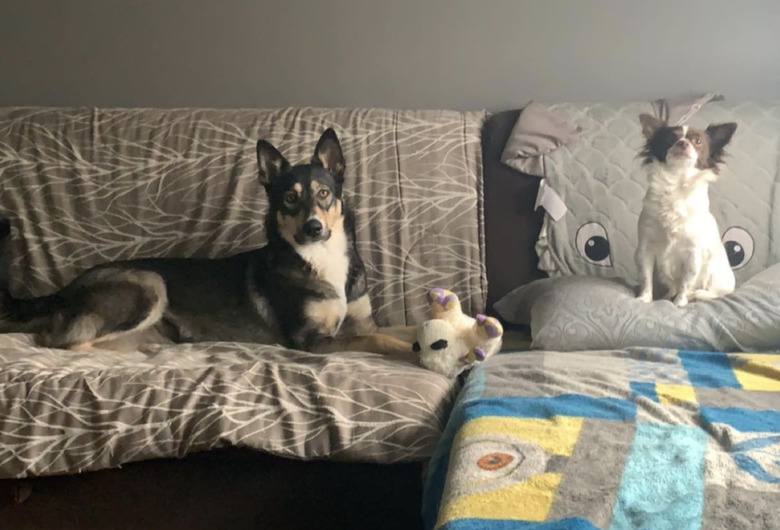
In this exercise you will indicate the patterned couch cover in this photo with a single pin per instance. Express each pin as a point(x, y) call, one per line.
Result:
point(84, 186)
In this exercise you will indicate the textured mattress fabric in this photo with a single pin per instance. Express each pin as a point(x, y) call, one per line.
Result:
point(68, 412)
point(599, 177)
point(83, 187)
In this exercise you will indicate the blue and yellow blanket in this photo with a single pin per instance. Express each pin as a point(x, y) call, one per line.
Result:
point(638, 438)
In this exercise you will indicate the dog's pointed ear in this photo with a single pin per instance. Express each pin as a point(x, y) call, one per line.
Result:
point(650, 124)
point(270, 162)
point(720, 134)
point(328, 154)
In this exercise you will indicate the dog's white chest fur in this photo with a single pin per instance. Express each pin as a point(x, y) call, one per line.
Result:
point(330, 262)
point(679, 209)
point(680, 236)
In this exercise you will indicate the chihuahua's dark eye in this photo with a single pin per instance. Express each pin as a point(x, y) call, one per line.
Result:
point(323, 193)
point(290, 197)
point(697, 141)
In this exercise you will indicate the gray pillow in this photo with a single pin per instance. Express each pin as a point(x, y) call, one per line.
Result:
point(588, 313)
point(536, 133)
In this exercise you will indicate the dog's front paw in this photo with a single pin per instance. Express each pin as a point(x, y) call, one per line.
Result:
point(442, 300)
point(681, 300)
point(645, 297)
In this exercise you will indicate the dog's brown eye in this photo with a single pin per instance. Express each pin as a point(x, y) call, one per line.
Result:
point(290, 197)
point(697, 141)
point(323, 193)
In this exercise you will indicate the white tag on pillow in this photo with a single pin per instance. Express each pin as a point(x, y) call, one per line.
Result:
point(548, 199)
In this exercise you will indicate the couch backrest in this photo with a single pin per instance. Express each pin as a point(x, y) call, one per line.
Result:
point(87, 186)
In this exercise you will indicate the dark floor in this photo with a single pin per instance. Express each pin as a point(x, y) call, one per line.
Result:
point(227, 490)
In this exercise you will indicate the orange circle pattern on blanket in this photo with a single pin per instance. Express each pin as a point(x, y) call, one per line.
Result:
point(495, 460)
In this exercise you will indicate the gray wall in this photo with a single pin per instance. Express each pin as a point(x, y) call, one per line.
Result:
point(465, 54)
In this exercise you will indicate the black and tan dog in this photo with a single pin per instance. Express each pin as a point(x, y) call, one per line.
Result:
point(306, 289)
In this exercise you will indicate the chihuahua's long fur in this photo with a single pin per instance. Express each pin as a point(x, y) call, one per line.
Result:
point(680, 246)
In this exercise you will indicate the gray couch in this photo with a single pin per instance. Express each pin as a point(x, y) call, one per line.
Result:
point(86, 186)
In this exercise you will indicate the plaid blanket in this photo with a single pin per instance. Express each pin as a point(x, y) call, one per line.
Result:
point(637, 438)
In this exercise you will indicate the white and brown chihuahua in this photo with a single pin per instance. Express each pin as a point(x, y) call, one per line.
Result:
point(679, 243)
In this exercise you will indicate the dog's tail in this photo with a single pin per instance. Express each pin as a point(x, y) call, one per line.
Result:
point(18, 315)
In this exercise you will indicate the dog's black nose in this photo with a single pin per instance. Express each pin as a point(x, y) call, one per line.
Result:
point(312, 228)
point(682, 142)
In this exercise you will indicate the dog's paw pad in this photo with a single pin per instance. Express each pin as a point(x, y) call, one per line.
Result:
point(479, 354)
point(489, 327)
point(442, 300)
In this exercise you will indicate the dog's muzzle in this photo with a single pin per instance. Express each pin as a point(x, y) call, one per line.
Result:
point(682, 149)
point(312, 231)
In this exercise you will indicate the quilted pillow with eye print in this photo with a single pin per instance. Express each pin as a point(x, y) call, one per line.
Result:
point(600, 179)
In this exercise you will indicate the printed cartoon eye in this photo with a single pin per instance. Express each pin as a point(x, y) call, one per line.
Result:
point(593, 244)
point(739, 246)
point(495, 460)
point(323, 194)
point(290, 197)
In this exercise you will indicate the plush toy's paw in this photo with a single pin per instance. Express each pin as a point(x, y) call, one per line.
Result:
point(441, 300)
point(489, 327)
point(474, 356)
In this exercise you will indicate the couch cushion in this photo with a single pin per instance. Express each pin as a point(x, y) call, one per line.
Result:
point(86, 186)
point(68, 412)
point(570, 313)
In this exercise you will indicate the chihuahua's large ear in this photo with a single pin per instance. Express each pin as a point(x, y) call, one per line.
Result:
point(650, 124)
point(720, 134)
point(270, 162)
point(328, 155)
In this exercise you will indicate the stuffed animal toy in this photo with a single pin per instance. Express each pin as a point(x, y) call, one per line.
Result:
point(451, 341)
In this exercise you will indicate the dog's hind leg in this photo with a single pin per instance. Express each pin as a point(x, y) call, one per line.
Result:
point(103, 306)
